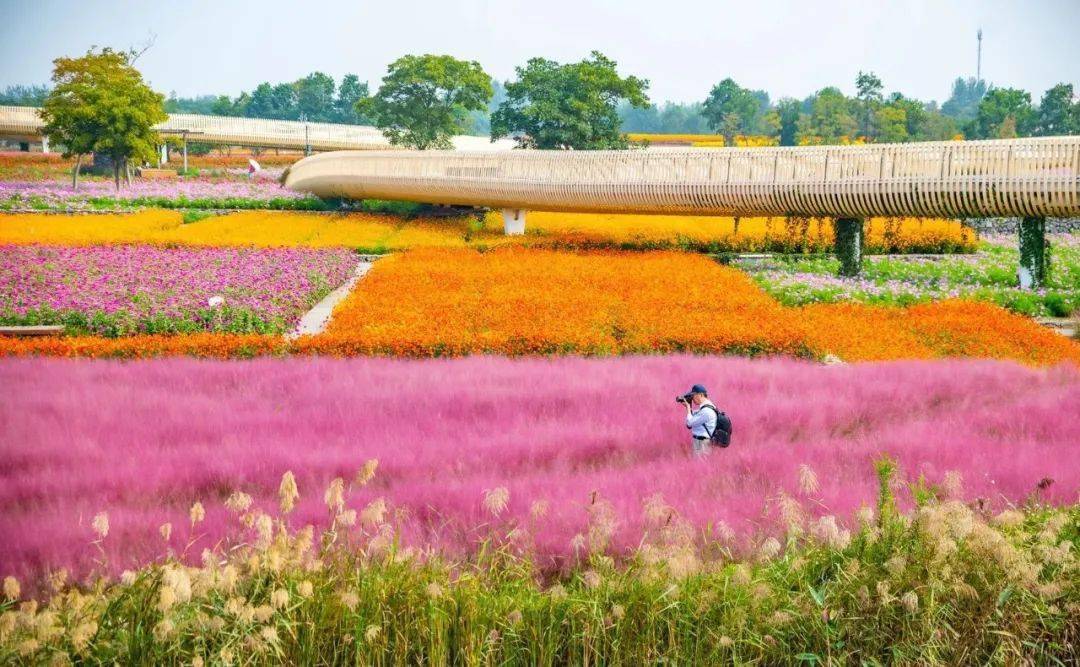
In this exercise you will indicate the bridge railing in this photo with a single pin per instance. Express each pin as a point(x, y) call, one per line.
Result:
point(1021, 177)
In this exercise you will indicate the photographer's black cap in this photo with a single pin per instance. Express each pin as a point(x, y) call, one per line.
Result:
point(698, 389)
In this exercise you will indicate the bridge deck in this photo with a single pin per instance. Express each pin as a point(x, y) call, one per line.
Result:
point(1018, 177)
point(24, 123)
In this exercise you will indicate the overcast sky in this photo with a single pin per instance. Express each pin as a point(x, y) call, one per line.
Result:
point(683, 47)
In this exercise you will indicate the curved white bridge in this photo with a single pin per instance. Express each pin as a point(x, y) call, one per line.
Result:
point(1017, 177)
point(23, 123)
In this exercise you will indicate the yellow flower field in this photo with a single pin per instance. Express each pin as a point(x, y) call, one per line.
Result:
point(702, 140)
point(373, 232)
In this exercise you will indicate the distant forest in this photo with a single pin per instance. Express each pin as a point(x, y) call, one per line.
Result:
point(974, 110)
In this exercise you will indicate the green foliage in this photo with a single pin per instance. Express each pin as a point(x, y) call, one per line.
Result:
point(423, 100)
point(1034, 258)
point(731, 109)
point(897, 281)
point(24, 96)
point(350, 92)
point(1003, 113)
point(669, 118)
point(830, 118)
point(789, 111)
point(195, 215)
point(99, 104)
point(114, 324)
point(1058, 114)
point(315, 96)
point(849, 238)
point(963, 104)
point(869, 93)
point(568, 106)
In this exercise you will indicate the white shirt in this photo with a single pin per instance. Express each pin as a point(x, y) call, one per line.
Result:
point(702, 422)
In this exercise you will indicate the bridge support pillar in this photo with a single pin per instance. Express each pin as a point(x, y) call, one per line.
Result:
point(848, 243)
point(1034, 260)
point(513, 221)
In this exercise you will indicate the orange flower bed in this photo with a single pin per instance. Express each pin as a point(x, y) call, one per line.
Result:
point(954, 328)
point(529, 301)
point(194, 345)
point(521, 301)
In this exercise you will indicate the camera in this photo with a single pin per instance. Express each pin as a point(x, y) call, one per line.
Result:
point(685, 398)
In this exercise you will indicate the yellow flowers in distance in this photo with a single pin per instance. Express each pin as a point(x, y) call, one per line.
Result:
point(377, 233)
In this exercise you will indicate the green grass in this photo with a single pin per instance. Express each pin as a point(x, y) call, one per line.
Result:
point(990, 275)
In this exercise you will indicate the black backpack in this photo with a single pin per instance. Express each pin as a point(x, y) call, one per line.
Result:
point(721, 436)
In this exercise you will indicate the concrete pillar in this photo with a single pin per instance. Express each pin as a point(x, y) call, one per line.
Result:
point(849, 239)
point(513, 221)
point(44, 144)
point(164, 154)
point(1034, 260)
point(185, 153)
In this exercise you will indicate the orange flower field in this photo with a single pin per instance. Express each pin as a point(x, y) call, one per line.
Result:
point(373, 232)
point(522, 301)
point(529, 301)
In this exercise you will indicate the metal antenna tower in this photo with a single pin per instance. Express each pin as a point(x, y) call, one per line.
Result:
point(978, 58)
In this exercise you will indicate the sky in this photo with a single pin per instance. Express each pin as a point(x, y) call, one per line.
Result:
point(788, 48)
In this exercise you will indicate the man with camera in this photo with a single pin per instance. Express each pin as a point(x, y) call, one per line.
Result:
point(701, 419)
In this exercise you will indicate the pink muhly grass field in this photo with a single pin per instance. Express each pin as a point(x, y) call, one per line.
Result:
point(143, 440)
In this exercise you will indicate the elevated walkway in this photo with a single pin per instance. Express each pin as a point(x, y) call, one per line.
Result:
point(1018, 177)
point(24, 124)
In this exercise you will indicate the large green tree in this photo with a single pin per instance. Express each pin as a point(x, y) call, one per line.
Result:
point(568, 106)
point(315, 97)
point(868, 90)
point(424, 100)
point(1003, 113)
point(350, 92)
point(732, 109)
point(830, 119)
point(1058, 112)
point(965, 98)
point(100, 104)
point(788, 112)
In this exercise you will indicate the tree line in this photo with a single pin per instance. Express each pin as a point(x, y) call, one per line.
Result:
point(98, 103)
point(974, 110)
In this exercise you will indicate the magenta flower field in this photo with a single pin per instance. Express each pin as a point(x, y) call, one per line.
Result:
point(568, 439)
point(116, 290)
point(93, 193)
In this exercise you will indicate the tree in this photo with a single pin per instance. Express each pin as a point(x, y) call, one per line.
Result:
point(100, 104)
point(868, 91)
point(892, 124)
point(24, 96)
point(315, 97)
point(423, 99)
point(731, 109)
point(568, 106)
point(997, 107)
point(788, 112)
point(966, 95)
point(1058, 113)
point(830, 120)
point(350, 92)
